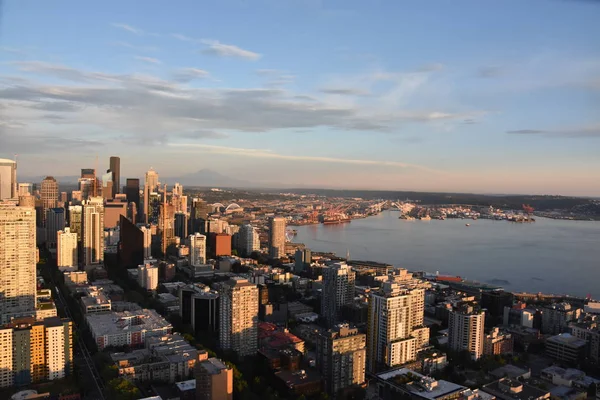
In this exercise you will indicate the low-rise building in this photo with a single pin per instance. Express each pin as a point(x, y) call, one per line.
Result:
point(568, 377)
point(511, 389)
point(214, 380)
point(405, 383)
point(497, 342)
point(126, 328)
point(167, 358)
point(299, 383)
point(566, 348)
point(95, 301)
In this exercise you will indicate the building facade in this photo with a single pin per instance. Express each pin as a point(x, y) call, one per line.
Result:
point(465, 330)
point(49, 194)
point(197, 244)
point(55, 221)
point(497, 342)
point(66, 248)
point(148, 276)
point(214, 380)
point(93, 231)
point(18, 256)
point(115, 170)
point(395, 329)
point(238, 305)
point(248, 240)
point(8, 179)
point(342, 357)
point(277, 237)
point(338, 290)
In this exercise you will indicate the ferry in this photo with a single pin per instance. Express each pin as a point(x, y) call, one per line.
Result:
point(467, 224)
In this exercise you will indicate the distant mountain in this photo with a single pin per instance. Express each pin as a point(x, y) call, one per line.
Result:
point(38, 179)
point(208, 177)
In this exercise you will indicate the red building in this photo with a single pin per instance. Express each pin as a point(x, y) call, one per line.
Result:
point(219, 244)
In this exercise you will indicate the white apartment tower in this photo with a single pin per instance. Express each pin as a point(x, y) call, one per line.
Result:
point(93, 231)
point(148, 276)
point(17, 262)
point(465, 330)
point(238, 305)
point(249, 240)
point(197, 250)
point(338, 290)
point(147, 242)
point(151, 180)
point(395, 330)
point(276, 237)
point(66, 248)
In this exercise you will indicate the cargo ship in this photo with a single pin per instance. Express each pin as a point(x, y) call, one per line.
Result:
point(332, 221)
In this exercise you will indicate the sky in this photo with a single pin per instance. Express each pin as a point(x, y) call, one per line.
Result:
point(431, 95)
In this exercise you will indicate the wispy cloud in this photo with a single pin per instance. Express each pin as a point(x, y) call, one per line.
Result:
point(490, 72)
point(189, 74)
point(345, 91)
point(149, 60)
point(590, 131)
point(260, 153)
point(217, 48)
point(183, 38)
point(12, 50)
point(129, 28)
point(134, 47)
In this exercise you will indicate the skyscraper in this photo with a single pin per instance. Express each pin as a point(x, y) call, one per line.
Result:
point(8, 179)
point(115, 170)
point(197, 249)
point(25, 189)
point(107, 186)
point(276, 237)
point(66, 248)
point(93, 231)
point(148, 276)
point(49, 195)
point(465, 330)
point(132, 191)
point(131, 246)
point(76, 220)
point(238, 305)
point(17, 262)
point(338, 290)
point(395, 324)
point(55, 221)
point(341, 357)
point(181, 225)
point(151, 180)
point(249, 240)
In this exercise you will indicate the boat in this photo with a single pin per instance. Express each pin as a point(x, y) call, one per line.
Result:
point(406, 217)
point(333, 221)
point(425, 218)
point(467, 224)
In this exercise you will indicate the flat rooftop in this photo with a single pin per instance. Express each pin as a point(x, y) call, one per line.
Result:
point(566, 339)
point(114, 323)
point(213, 366)
point(420, 385)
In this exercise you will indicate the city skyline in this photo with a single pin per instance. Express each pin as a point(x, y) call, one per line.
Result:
point(310, 93)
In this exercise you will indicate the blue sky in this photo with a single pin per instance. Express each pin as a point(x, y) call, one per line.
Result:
point(495, 97)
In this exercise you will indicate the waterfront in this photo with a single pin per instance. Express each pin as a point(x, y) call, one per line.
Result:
point(550, 256)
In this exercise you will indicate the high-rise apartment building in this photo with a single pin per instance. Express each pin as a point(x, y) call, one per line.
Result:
point(66, 248)
point(35, 351)
point(55, 221)
point(76, 220)
point(177, 189)
point(277, 237)
point(8, 179)
point(395, 330)
point(25, 189)
point(107, 186)
point(465, 330)
point(17, 262)
point(248, 240)
point(167, 224)
point(338, 290)
point(197, 244)
point(238, 305)
point(115, 170)
point(151, 180)
point(199, 307)
point(214, 379)
point(342, 357)
point(302, 259)
point(49, 194)
point(93, 231)
point(148, 276)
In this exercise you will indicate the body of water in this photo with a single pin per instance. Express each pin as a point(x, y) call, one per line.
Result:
point(549, 256)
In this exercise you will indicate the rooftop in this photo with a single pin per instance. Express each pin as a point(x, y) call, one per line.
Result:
point(133, 321)
point(419, 385)
point(213, 366)
point(184, 386)
point(566, 339)
point(507, 388)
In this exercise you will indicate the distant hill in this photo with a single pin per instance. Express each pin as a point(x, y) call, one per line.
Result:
point(208, 177)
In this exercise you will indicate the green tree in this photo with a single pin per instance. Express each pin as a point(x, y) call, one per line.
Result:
point(122, 389)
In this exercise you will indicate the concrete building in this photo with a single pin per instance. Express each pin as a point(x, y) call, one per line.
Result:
point(219, 244)
point(276, 237)
point(169, 358)
point(126, 328)
point(35, 351)
point(148, 276)
point(18, 256)
point(214, 380)
point(497, 342)
point(342, 357)
point(302, 259)
point(66, 248)
point(197, 245)
point(181, 225)
point(248, 240)
point(199, 307)
point(76, 221)
point(49, 194)
point(113, 210)
point(566, 348)
point(395, 329)
point(132, 191)
point(589, 332)
point(25, 189)
point(518, 315)
point(55, 221)
point(151, 180)
point(338, 290)
point(512, 389)
point(8, 179)
point(238, 306)
point(403, 383)
point(115, 170)
point(93, 231)
point(465, 330)
point(95, 301)
point(556, 317)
